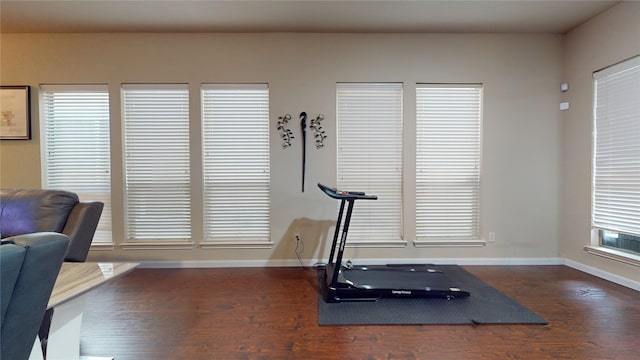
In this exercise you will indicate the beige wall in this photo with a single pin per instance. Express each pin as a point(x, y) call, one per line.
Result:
point(521, 126)
point(605, 40)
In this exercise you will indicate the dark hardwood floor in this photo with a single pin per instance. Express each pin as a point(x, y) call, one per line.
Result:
point(271, 313)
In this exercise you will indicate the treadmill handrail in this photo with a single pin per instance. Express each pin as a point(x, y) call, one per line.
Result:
point(345, 195)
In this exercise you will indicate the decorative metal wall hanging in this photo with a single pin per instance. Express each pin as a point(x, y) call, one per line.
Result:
point(303, 128)
point(318, 133)
point(285, 133)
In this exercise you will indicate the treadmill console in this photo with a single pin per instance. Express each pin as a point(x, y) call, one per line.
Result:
point(345, 195)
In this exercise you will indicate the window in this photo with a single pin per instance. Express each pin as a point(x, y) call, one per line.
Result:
point(236, 164)
point(369, 140)
point(447, 162)
point(76, 147)
point(156, 162)
point(616, 156)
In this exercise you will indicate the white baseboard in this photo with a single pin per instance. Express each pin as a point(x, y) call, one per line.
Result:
point(465, 261)
point(635, 285)
point(499, 261)
point(309, 263)
point(220, 264)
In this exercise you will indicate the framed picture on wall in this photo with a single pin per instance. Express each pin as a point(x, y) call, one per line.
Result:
point(15, 113)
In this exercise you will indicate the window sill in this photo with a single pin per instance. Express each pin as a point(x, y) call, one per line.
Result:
point(612, 254)
point(102, 247)
point(377, 244)
point(157, 245)
point(448, 243)
point(237, 245)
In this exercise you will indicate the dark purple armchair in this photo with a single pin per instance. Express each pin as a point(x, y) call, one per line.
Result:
point(24, 211)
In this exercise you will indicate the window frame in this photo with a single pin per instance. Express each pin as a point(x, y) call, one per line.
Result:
point(599, 225)
point(183, 239)
point(373, 215)
point(98, 97)
point(253, 228)
point(467, 167)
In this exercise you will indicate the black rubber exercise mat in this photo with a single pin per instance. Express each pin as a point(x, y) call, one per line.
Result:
point(486, 305)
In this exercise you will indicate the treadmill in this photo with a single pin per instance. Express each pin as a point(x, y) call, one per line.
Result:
point(373, 282)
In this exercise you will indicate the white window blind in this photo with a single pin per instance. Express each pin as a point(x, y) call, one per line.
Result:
point(236, 163)
point(616, 157)
point(76, 146)
point(369, 140)
point(156, 150)
point(448, 121)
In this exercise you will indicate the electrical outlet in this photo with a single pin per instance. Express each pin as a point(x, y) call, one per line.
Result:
point(492, 237)
point(296, 236)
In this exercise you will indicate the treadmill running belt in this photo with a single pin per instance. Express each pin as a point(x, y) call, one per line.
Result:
point(390, 280)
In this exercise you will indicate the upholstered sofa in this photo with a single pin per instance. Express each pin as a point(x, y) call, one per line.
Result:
point(24, 211)
point(29, 266)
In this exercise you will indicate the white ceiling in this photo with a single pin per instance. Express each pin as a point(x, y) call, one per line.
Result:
point(395, 16)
